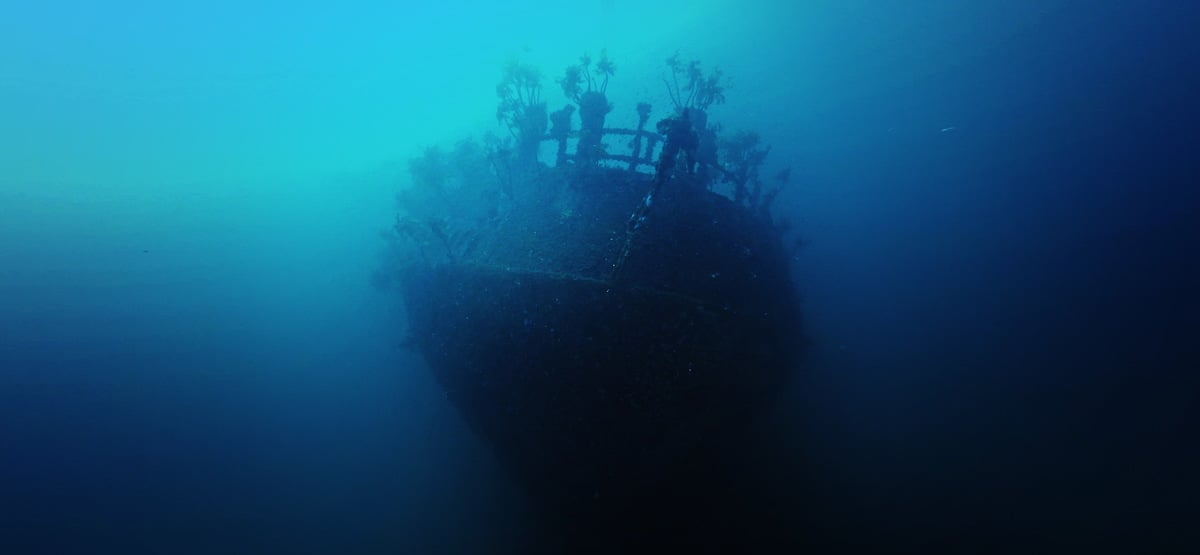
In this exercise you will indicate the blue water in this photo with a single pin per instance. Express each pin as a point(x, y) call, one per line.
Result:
point(1000, 201)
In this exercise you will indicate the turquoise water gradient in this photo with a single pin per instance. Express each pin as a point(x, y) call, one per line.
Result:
point(142, 94)
point(147, 93)
point(999, 199)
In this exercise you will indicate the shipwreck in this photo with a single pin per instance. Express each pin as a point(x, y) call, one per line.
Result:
point(608, 307)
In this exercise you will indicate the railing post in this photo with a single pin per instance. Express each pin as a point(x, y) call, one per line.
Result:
point(593, 107)
point(532, 125)
point(643, 111)
point(560, 130)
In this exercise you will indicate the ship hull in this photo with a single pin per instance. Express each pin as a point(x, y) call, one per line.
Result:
point(615, 403)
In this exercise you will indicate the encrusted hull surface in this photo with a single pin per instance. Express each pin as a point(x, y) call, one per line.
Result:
point(611, 398)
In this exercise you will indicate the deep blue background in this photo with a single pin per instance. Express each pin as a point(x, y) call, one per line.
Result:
point(1004, 316)
point(1011, 338)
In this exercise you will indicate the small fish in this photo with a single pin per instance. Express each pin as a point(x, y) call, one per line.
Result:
point(948, 129)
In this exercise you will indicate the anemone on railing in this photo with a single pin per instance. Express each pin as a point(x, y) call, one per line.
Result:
point(730, 161)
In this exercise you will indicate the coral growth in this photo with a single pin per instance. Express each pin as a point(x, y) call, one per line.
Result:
point(521, 108)
point(451, 196)
point(458, 195)
point(689, 88)
point(742, 157)
point(588, 91)
point(579, 80)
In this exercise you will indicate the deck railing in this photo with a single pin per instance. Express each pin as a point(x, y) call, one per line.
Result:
point(642, 147)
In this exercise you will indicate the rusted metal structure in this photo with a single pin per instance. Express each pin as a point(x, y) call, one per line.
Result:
point(612, 353)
